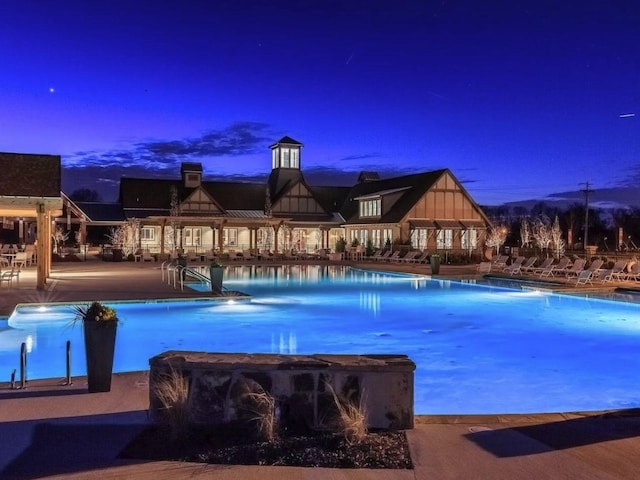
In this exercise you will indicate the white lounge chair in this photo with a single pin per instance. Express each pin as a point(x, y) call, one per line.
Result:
point(576, 268)
point(422, 258)
point(484, 267)
point(614, 273)
point(548, 269)
point(514, 267)
point(584, 277)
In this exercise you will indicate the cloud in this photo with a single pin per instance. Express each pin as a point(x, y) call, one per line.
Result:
point(364, 156)
point(102, 170)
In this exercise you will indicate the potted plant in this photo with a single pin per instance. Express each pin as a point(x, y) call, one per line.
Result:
point(99, 324)
point(216, 272)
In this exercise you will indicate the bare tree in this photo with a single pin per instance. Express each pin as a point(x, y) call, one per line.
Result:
point(174, 222)
point(525, 232)
point(496, 237)
point(556, 238)
point(541, 232)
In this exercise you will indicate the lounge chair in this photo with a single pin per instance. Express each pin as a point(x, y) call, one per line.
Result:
point(529, 265)
point(499, 262)
point(633, 273)
point(576, 268)
point(584, 277)
point(517, 268)
point(408, 257)
point(514, 267)
point(422, 258)
point(484, 267)
point(376, 255)
point(146, 256)
point(561, 268)
point(394, 256)
point(614, 273)
point(595, 267)
point(384, 256)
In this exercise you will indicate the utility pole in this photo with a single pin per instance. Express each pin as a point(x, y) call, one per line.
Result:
point(586, 192)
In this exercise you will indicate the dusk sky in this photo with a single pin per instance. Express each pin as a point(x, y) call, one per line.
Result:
point(520, 99)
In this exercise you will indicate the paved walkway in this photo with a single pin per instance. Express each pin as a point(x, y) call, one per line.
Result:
point(54, 431)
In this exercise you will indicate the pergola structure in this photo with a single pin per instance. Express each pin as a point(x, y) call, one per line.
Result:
point(30, 193)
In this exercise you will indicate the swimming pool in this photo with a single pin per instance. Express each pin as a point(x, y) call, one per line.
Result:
point(478, 349)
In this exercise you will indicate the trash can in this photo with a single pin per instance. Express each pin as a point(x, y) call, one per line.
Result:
point(216, 272)
point(435, 264)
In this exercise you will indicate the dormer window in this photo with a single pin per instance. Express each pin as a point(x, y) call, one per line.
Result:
point(370, 207)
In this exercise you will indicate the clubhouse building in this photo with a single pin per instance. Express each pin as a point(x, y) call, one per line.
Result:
point(426, 211)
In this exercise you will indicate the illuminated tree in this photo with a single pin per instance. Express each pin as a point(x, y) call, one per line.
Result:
point(496, 237)
point(541, 232)
point(556, 238)
point(525, 232)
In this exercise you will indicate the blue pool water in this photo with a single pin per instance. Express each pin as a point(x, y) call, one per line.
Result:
point(478, 349)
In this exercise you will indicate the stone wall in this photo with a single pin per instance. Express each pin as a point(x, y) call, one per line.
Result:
point(305, 387)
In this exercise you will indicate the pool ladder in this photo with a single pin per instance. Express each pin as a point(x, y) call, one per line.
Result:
point(23, 368)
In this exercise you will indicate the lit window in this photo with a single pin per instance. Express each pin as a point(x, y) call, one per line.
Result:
point(148, 233)
point(444, 239)
point(370, 208)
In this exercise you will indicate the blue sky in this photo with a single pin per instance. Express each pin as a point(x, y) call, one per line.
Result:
point(520, 99)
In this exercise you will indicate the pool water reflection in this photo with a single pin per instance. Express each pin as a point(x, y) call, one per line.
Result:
point(478, 349)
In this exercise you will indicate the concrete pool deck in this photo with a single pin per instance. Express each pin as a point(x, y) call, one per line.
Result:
point(54, 431)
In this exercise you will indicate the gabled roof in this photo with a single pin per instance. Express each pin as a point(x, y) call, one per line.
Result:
point(281, 180)
point(102, 211)
point(190, 167)
point(30, 175)
point(286, 140)
point(145, 195)
point(414, 187)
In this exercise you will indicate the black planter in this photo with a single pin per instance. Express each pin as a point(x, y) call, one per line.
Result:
point(117, 255)
point(435, 264)
point(99, 345)
point(216, 273)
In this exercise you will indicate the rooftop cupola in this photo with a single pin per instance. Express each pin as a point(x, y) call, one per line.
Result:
point(285, 153)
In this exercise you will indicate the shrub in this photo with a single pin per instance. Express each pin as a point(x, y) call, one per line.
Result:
point(351, 421)
point(172, 391)
point(263, 405)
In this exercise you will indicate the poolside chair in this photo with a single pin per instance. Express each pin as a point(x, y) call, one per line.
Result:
point(595, 267)
point(561, 268)
point(576, 268)
point(514, 267)
point(394, 256)
point(384, 256)
point(529, 265)
point(408, 257)
point(584, 277)
point(614, 273)
point(422, 258)
point(546, 268)
point(9, 275)
point(19, 260)
point(137, 256)
point(499, 262)
point(376, 255)
point(633, 273)
point(484, 267)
